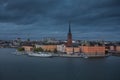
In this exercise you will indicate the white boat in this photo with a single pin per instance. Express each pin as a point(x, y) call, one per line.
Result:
point(40, 55)
point(85, 56)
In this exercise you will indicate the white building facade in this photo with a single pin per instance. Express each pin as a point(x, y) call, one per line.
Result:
point(61, 48)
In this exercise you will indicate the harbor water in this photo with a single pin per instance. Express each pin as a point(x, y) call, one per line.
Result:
point(23, 67)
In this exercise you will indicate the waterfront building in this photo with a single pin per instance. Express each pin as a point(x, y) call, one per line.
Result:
point(38, 45)
point(69, 50)
point(112, 48)
point(61, 48)
point(93, 50)
point(72, 50)
point(115, 49)
point(76, 50)
point(28, 48)
point(118, 49)
point(71, 47)
point(50, 48)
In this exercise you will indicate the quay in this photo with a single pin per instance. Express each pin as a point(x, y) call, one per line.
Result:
point(67, 55)
point(83, 56)
point(63, 55)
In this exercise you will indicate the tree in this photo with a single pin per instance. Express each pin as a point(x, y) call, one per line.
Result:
point(20, 49)
point(55, 51)
point(38, 49)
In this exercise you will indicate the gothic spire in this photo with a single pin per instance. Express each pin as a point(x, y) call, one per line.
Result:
point(69, 27)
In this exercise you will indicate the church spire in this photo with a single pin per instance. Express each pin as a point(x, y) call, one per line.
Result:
point(69, 27)
point(69, 39)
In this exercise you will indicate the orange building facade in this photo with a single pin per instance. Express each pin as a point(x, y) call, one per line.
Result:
point(118, 48)
point(93, 50)
point(71, 50)
point(49, 47)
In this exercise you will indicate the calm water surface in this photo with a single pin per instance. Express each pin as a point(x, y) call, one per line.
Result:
point(14, 67)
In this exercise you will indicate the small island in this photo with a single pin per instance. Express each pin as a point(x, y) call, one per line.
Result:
point(80, 48)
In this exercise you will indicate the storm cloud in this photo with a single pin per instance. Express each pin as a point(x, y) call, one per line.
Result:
point(103, 15)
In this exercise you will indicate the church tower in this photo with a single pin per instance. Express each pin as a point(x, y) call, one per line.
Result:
point(69, 37)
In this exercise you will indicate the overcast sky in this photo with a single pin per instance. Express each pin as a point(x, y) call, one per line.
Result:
point(91, 19)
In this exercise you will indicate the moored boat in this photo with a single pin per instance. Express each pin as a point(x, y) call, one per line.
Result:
point(40, 55)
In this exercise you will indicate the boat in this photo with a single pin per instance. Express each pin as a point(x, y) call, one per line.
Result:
point(40, 55)
point(85, 56)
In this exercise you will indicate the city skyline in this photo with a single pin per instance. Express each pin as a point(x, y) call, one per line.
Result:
point(43, 18)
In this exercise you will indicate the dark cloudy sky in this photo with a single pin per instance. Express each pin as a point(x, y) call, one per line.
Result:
point(91, 19)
